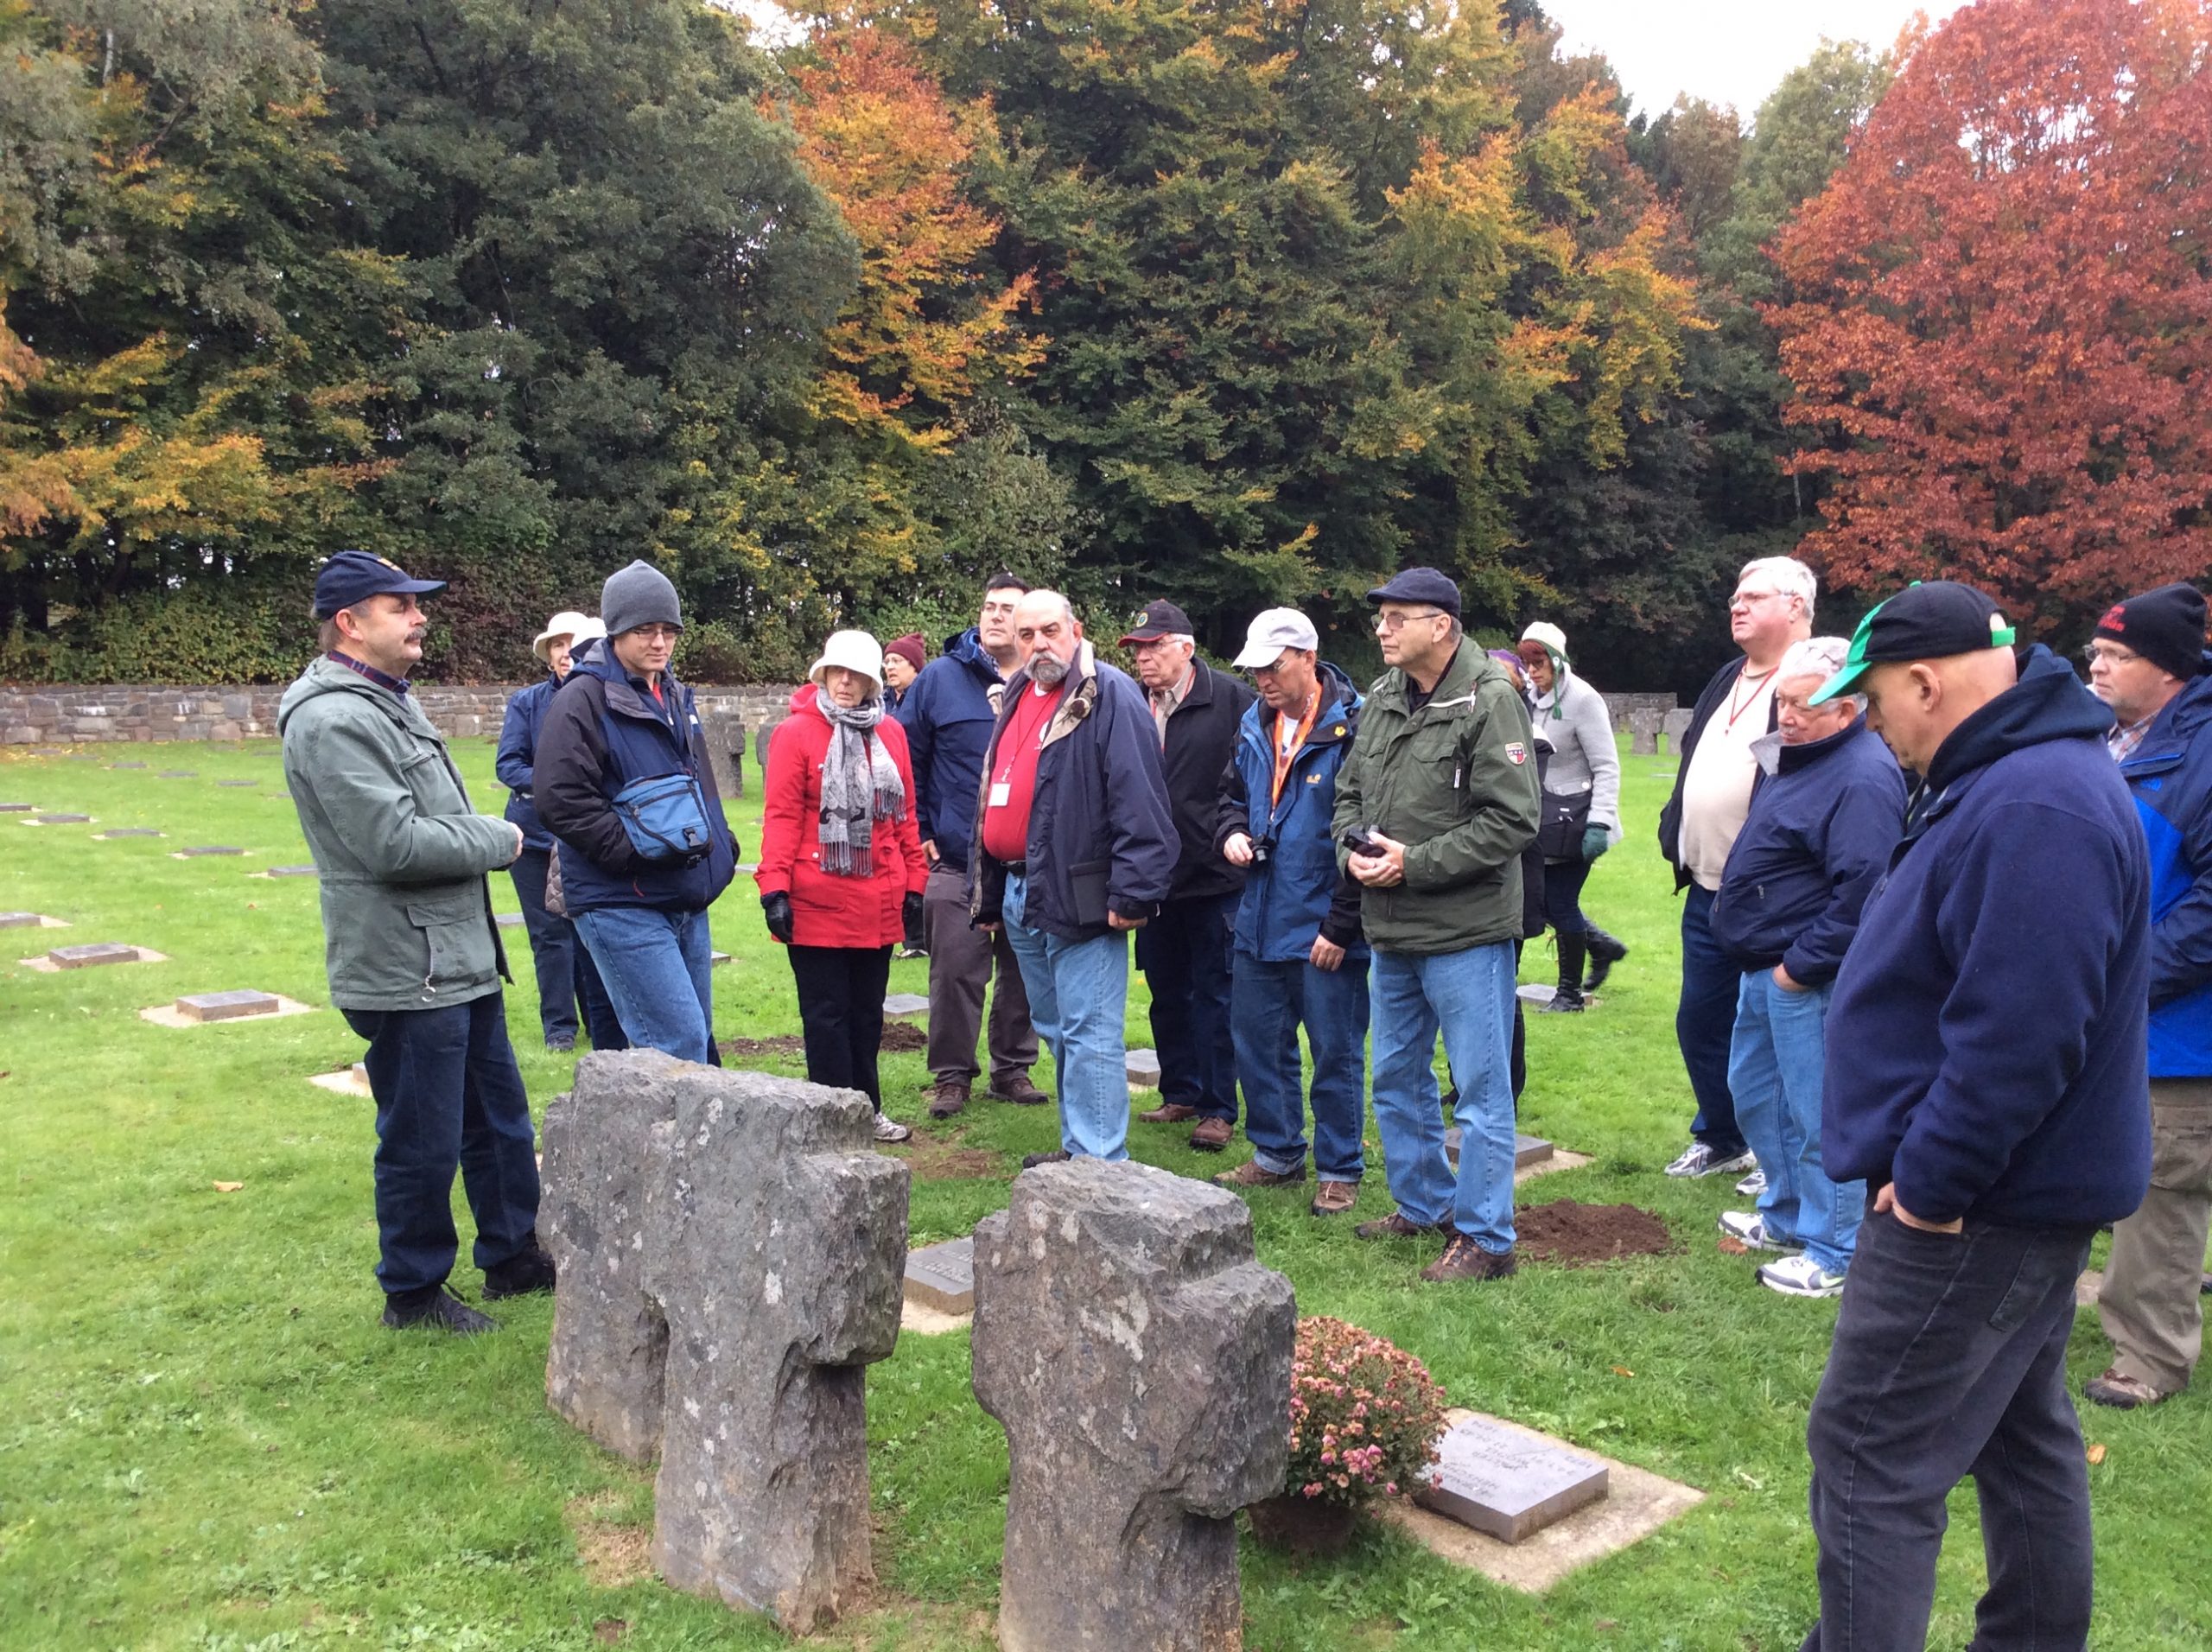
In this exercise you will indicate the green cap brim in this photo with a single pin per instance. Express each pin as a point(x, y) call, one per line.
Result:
point(1842, 683)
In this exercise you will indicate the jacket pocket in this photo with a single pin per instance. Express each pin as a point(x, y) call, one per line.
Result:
point(452, 926)
point(1087, 892)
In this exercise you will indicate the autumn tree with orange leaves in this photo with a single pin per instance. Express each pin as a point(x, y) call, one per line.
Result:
point(2000, 325)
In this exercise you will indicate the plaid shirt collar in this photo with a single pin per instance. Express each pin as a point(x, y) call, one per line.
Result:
point(2122, 742)
point(383, 680)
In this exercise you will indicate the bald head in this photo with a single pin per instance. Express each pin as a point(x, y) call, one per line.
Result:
point(1915, 704)
point(1045, 629)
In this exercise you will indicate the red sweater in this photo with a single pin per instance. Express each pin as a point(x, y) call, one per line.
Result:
point(828, 911)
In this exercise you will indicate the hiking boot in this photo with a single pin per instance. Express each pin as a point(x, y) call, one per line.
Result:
point(1566, 1000)
point(889, 1130)
point(444, 1312)
point(1464, 1259)
point(1253, 1173)
point(1018, 1090)
point(1168, 1113)
point(525, 1273)
point(1605, 951)
point(1800, 1275)
point(560, 1046)
point(1057, 1156)
point(1698, 1159)
point(1334, 1199)
point(947, 1098)
point(1566, 997)
point(2121, 1393)
point(1752, 1185)
point(1212, 1134)
point(1396, 1225)
point(1749, 1229)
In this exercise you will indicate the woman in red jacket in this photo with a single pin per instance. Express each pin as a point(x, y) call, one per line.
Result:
point(841, 861)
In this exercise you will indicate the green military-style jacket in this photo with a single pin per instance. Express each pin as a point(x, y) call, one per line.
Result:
point(1456, 782)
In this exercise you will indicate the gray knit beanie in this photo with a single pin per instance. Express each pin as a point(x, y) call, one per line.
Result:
point(640, 594)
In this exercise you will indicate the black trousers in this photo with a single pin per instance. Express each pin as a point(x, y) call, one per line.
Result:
point(566, 974)
point(841, 1011)
point(1563, 882)
point(1185, 953)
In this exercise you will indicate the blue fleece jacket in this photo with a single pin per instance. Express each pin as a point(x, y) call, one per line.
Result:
point(2171, 774)
point(1985, 1040)
point(948, 713)
point(1819, 836)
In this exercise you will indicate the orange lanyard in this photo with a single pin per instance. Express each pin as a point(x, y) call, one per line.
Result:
point(1284, 754)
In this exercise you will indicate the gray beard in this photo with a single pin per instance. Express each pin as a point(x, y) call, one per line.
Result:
point(1047, 668)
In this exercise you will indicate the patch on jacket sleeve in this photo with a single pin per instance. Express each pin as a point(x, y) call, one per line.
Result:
point(1515, 752)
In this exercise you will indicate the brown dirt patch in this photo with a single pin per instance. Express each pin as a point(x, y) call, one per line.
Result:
point(898, 1037)
point(612, 1553)
point(936, 1160)
point(904, 1037)
point(1578, 1235)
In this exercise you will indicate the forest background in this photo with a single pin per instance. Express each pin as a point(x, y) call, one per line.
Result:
point(1237, 302)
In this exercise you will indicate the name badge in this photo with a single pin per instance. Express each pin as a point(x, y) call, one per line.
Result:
point(1001, 793)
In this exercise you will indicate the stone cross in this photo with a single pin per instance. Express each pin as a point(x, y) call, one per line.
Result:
point(1675, 725)
point(723, 735)
point(1643, 729)
point(1138, 1357)
point(731, 1249)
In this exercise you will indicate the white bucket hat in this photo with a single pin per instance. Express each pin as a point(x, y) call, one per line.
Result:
point(854, 649)
point(576, 627)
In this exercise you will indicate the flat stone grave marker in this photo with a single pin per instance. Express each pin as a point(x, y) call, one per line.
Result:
point(1507, 1484)
point(900, 1005)
point(714, 958)
point(176, 774)
point(238, 783)
point(1527, 1149)
point(129, 831)
point(206, 848)
point(943, 1276)
point(1143, 1067)
point(126, 766)
point(307, 871)
point(20, 920)
point(59, 820)
point(510, 920)
point(83, 958)
point(748, 867)
point(16, 808)
point(1535, 992)
point(227, 1006)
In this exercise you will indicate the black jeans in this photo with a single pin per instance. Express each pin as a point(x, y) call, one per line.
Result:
point(841, 1011)
point(566, 974)
point(1563, 882)
point(1950, 1359)
point(1184, 955)
point(448, 1097)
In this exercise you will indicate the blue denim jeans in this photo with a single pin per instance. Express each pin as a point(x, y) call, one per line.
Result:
point(1774, 1073)
point(1705, 1023)
point(1469, 995)
point(1079, 1002)
point(1268, 1004)
point(448, 1097)
point(656, 967)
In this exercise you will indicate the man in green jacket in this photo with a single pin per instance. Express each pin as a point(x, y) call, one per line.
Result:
point(412, 948)
point(1433, 809)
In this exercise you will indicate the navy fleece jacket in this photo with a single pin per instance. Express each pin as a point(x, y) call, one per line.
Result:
point(1986, 1045)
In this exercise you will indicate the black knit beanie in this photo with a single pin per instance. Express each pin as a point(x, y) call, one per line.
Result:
point(2165, 626)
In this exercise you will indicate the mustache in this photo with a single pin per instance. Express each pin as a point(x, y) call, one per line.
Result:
point(1048, 668)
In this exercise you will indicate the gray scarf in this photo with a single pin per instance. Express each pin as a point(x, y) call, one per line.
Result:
point(860, 785)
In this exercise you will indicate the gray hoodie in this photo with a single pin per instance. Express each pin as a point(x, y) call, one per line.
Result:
point(406, 912)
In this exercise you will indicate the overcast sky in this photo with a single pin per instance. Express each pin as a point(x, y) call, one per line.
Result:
point(1725, 51)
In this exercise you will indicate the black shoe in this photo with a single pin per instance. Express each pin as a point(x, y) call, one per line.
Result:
point(525, 1273)
point(444, 1311)
point(1605, 951)
point(561, 1046)
point(1567, 1000)
point(1057, 1156)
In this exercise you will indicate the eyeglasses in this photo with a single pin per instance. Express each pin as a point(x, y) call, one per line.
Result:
point(656, 633)
point(2098, 654)
point(1392, 621)
point(1750, 599)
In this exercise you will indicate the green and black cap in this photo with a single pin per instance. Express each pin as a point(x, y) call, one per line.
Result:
point(1933, 620)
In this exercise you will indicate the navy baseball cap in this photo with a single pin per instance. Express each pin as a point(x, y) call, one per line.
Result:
point(1160, 619)
point(1933, 620)
point(354, 576)
point(1428, 585)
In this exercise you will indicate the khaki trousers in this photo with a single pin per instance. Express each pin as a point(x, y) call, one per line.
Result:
point(2150, 1304)
point(962, 961)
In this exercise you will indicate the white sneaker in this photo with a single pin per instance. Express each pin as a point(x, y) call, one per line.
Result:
point(1800, 1275)
point(1698, 1159)
point(1752, 1185)
point(889, 1130)
point(1749, 1228)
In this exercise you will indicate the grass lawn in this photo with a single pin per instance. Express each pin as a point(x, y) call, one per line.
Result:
point(209, 1442)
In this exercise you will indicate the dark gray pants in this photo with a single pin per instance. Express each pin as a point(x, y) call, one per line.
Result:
point(1950, 1359)
point(960, 967)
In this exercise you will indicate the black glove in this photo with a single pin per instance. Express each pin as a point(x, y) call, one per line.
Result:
point(910, 917)
point(778, 909)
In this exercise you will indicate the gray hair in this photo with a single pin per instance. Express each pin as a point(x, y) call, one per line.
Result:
point(1822, 655)
point(1790, 577)
point(1067, 608)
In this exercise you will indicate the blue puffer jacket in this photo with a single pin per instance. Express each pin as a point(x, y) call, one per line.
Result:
point(603, 731)
point(1101, 836)
point(948, 713)
point(2171, 774)
point(1985, 1042)
point(518, 757)
point(1298, 892)
point(1822, 823)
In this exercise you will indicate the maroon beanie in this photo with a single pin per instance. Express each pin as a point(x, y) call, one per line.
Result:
point(909, 648)
point(2166, 627)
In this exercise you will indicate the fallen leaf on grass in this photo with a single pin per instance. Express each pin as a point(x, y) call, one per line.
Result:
point(228, 1187)
point(1623, 1370)
point(2096, 1454)
point(611, 1630)
point(1733, 1247)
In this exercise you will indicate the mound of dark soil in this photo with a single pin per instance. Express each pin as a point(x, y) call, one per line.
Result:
point(1578, 1235)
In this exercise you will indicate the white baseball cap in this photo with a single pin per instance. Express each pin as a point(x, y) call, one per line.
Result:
point(1273, 631)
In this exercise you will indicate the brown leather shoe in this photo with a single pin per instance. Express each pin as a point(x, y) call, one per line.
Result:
point(1168, 1113)
point(1057, 1156)
point(1464, 1259)
point(1396, 1225)
point(1334, 1199)
point(1212, 1134)
point(947, 1098)
point(2121, 1393)
point(1018, 1090)
point(1253, 1173)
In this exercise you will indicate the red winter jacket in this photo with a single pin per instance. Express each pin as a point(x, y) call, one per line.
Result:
point(827, 910)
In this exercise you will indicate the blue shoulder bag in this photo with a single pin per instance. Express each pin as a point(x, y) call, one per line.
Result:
point(665, 819)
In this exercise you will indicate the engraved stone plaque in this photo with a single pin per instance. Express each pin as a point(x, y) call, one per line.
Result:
point(1501, 1481)
point(83, 958)
point(226, 1007)
point(943, 1276)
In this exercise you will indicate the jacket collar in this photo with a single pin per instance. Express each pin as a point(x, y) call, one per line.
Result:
point(629, 695)
point(2180, 721)
point(1334, 718)
point(1777, 757)
point(1456, 687)
point(2048, 702)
